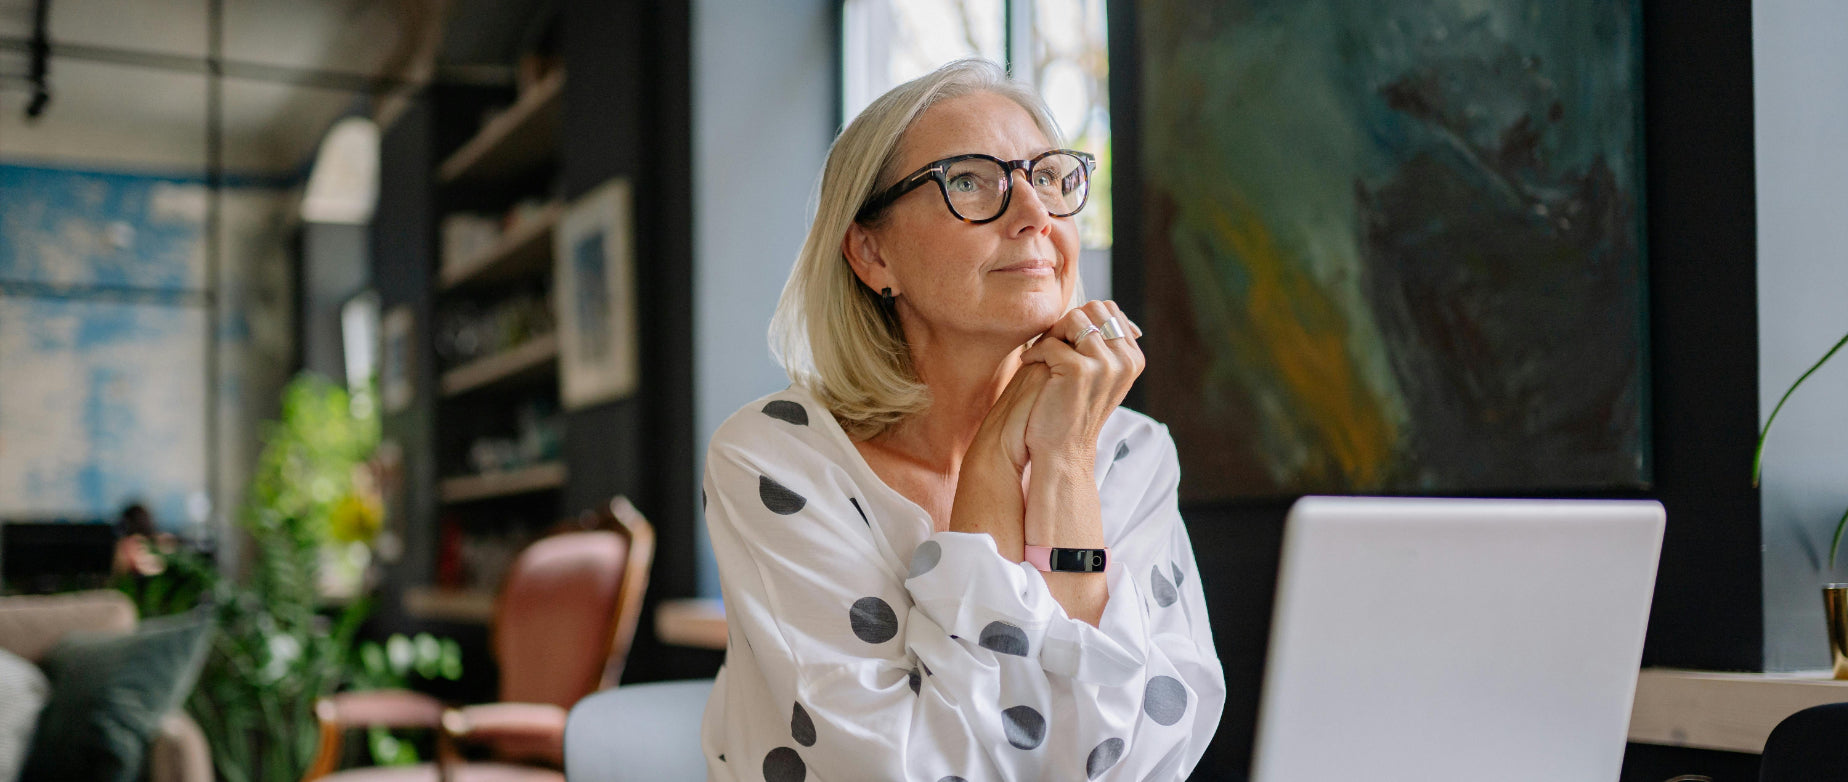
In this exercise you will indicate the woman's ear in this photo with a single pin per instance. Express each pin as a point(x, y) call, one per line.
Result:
point(861, 248)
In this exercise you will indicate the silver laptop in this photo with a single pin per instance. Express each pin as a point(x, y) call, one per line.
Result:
point(1456, 640)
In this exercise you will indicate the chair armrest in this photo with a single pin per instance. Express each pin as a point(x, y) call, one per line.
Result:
point(382, 708)
point(178, 751)
point(518, 730)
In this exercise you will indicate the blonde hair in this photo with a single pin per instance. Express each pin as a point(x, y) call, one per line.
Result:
point(830, 333)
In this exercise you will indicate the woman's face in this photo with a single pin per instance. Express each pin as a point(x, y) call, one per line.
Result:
point(1008, 278)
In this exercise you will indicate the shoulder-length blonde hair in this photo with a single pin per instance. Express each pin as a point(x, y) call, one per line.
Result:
point(830, 333)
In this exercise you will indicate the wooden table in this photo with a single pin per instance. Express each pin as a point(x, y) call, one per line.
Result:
point(695, 622)
point(1725, 711)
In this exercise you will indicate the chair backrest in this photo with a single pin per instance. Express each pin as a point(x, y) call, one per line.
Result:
point(638, 732)
point(568, 607)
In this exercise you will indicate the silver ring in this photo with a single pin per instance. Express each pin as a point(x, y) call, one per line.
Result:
point(1088, 331)
point(1113, 329)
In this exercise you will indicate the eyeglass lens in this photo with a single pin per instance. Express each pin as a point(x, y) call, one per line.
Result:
point(977, 187)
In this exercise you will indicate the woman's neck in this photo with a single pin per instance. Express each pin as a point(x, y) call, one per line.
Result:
point(965, 377)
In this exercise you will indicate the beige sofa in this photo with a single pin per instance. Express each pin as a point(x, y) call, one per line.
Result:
point(31, 625)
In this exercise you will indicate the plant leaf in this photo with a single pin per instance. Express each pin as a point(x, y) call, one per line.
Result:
point(1836, 545)
point(1758, 455)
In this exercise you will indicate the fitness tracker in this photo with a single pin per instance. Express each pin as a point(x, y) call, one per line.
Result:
point(1068, 560)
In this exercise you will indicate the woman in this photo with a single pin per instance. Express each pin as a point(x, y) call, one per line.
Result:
point(945, 552)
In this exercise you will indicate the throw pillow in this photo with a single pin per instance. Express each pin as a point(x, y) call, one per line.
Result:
point(108, 695)
point(22, 693)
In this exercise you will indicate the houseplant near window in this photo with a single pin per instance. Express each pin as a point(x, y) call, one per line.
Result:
point(1834, 596)
point(1759, 455)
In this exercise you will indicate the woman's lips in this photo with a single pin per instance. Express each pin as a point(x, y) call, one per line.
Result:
point(1030, 268)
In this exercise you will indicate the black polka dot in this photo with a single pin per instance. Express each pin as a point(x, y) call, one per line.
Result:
point(856, 509)
point(873, 620)
point(801, 728)
point(1121, 451)
point(1004, 638)
point(784, 765)
point(1177, 573)
point(1164, 591)
point(784, 410)
point(702, 499)
point(1164, 700)
point(952, 778)
point(721, 757)
point(916, 681)
point(777, 498)
point(1102, 758)
point(925, 557)
point(926, 668)
point(1025, 727)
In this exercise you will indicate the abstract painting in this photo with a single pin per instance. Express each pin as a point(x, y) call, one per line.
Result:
point(1394, 247)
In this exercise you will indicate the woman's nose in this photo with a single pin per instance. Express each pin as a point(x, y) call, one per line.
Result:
point(1022, 192)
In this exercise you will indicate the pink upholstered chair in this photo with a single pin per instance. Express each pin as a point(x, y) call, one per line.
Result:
point(563, 622)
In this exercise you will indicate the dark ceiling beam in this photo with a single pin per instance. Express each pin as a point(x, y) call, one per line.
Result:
point(179, 63)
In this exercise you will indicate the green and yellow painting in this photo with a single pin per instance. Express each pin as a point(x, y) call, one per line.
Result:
point(1394, 246)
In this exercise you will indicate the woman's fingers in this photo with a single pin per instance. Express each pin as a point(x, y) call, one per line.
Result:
point(1127, 345)
point(1015, 407)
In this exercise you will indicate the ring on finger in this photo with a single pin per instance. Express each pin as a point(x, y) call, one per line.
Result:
point(1088, 331)
point(1112, 328)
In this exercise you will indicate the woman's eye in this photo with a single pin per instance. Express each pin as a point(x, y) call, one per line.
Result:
point(1043, 179)
point(964, 183)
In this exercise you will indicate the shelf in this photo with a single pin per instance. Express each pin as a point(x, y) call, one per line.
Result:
point(526, 251)
point(451, 605)
point(526, 361)
point(513, 143)
point(539, 477)
point(1734, 712)
point(695, 622)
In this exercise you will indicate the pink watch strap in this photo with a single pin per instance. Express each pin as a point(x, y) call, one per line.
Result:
point(1040, 557)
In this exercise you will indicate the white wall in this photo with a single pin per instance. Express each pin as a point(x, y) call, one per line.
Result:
point(1800, 52)
point(763, 116)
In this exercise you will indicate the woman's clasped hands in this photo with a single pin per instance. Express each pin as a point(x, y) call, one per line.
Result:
point(1070, 379)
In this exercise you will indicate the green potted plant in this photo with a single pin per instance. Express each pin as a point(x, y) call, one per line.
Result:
point(1834, 596)
point(278, 649)
point(1759, 455)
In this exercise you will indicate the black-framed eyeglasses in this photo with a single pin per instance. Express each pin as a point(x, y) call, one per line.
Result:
point(977, 187)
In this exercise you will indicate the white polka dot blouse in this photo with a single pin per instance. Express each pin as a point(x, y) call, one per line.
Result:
point(863, 646)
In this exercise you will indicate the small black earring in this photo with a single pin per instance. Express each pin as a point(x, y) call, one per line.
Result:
point(886, 298)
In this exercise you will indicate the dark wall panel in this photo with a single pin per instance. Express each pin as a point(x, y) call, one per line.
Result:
point(1701, 212)
point(403, 242)
point(627, 114)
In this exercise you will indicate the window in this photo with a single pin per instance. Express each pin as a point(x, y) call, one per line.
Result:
point(1059, 46)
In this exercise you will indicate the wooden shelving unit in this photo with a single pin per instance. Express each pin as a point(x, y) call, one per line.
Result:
point(469, 488)
point(513, 143)
point(523, 252)
point(531, 360)
point(468, 606)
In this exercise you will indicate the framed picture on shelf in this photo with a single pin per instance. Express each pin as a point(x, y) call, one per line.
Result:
point(594, 291)
point(395, 349)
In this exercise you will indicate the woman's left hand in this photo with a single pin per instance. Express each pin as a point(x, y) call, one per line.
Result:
point(1090, 375)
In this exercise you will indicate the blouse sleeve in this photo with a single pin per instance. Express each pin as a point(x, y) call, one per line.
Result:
point(956, 663)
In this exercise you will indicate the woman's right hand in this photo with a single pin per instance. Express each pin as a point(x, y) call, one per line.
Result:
point(1007, 420)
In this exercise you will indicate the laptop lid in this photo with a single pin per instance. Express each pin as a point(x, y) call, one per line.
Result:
point(1468, 640)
